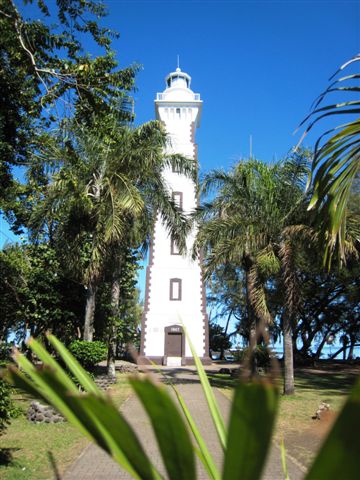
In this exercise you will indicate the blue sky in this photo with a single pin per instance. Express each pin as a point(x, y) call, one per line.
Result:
point(258, 65)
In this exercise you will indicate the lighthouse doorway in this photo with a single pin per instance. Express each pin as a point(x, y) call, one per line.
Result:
point(174, 345)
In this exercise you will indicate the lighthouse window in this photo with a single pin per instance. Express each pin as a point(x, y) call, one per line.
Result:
point(175, 289)
point(175, 169)
point(178, 112)
point(174, 248)
point(168, 82)
point(177, 198)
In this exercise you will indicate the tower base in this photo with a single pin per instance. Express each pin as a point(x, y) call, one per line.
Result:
point(185, 361)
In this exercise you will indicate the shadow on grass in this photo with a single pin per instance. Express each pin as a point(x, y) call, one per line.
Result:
point(338, 383)
point(337, 380)
point(222, 380)
point(6, 456)
point(54, 465)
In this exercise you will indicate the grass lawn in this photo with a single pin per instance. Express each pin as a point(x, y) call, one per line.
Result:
point(29, 451)
point(302, 435)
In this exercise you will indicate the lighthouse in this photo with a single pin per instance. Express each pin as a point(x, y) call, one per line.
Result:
point(175, 292)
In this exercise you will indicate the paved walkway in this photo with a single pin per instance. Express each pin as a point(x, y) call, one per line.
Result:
point(94, 464)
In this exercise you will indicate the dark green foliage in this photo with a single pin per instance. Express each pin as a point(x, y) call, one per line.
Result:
point(218, 338)
point(5, 352)
point(261, 354)
point(128, 316)
point(46, 79)
point(5, 405)
point(89, 354)
point(330, 306)
point(8, 409)
point(36, 294)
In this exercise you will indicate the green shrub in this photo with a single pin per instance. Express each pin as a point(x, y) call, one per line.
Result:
point(5, 352)
point(262, 356)
point(88, 354)
point(8, 409)
point(5, 405)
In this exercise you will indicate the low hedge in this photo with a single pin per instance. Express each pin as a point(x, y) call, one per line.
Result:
point(88, 354)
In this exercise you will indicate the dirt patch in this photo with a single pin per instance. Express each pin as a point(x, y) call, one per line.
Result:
point(303, 445)
point(321, 428)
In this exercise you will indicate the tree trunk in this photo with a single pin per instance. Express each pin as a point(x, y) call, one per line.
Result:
point(321, 345)
point(343, 350)
point(351, 348)
point(289, 317)
point(289, 387)
point(89, 312)
point(225, 335)
point(251, 318)
point(115, 297)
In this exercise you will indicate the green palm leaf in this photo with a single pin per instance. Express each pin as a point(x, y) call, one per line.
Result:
point(336, 165)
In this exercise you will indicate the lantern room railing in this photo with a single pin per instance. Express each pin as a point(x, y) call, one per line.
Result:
point(162, 96)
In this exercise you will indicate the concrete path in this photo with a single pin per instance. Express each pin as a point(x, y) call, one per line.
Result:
point(94, 464)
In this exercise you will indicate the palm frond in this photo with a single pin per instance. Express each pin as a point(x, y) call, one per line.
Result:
point(336, 164)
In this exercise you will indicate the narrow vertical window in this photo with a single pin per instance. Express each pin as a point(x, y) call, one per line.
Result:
point(175, 289)
point(174, 250)
point(177, 198)
point(178, 113)
point(175, 169)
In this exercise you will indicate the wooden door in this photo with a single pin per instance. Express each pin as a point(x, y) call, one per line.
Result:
point(173, 344)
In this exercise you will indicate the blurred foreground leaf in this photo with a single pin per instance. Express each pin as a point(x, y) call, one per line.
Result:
point(92, 412)
point(251, 423)
point(245, 443)
point(170, 430)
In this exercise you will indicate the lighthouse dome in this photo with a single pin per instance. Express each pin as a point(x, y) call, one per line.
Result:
point(177, 87)
point(178, 79)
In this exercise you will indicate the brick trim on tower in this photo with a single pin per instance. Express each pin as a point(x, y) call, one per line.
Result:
point(147, 291)
point(206, 359)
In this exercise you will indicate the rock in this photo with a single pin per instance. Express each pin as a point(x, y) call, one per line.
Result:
point(323, 407)
point(126, 367)
point(225, 371)
point(39, 413)
point(104, 381)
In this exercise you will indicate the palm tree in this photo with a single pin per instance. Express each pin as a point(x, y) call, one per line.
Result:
point(107, 186)
point(336, 162)
point(246, 225)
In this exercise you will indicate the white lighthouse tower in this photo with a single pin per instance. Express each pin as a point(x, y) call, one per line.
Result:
point(175, 292)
